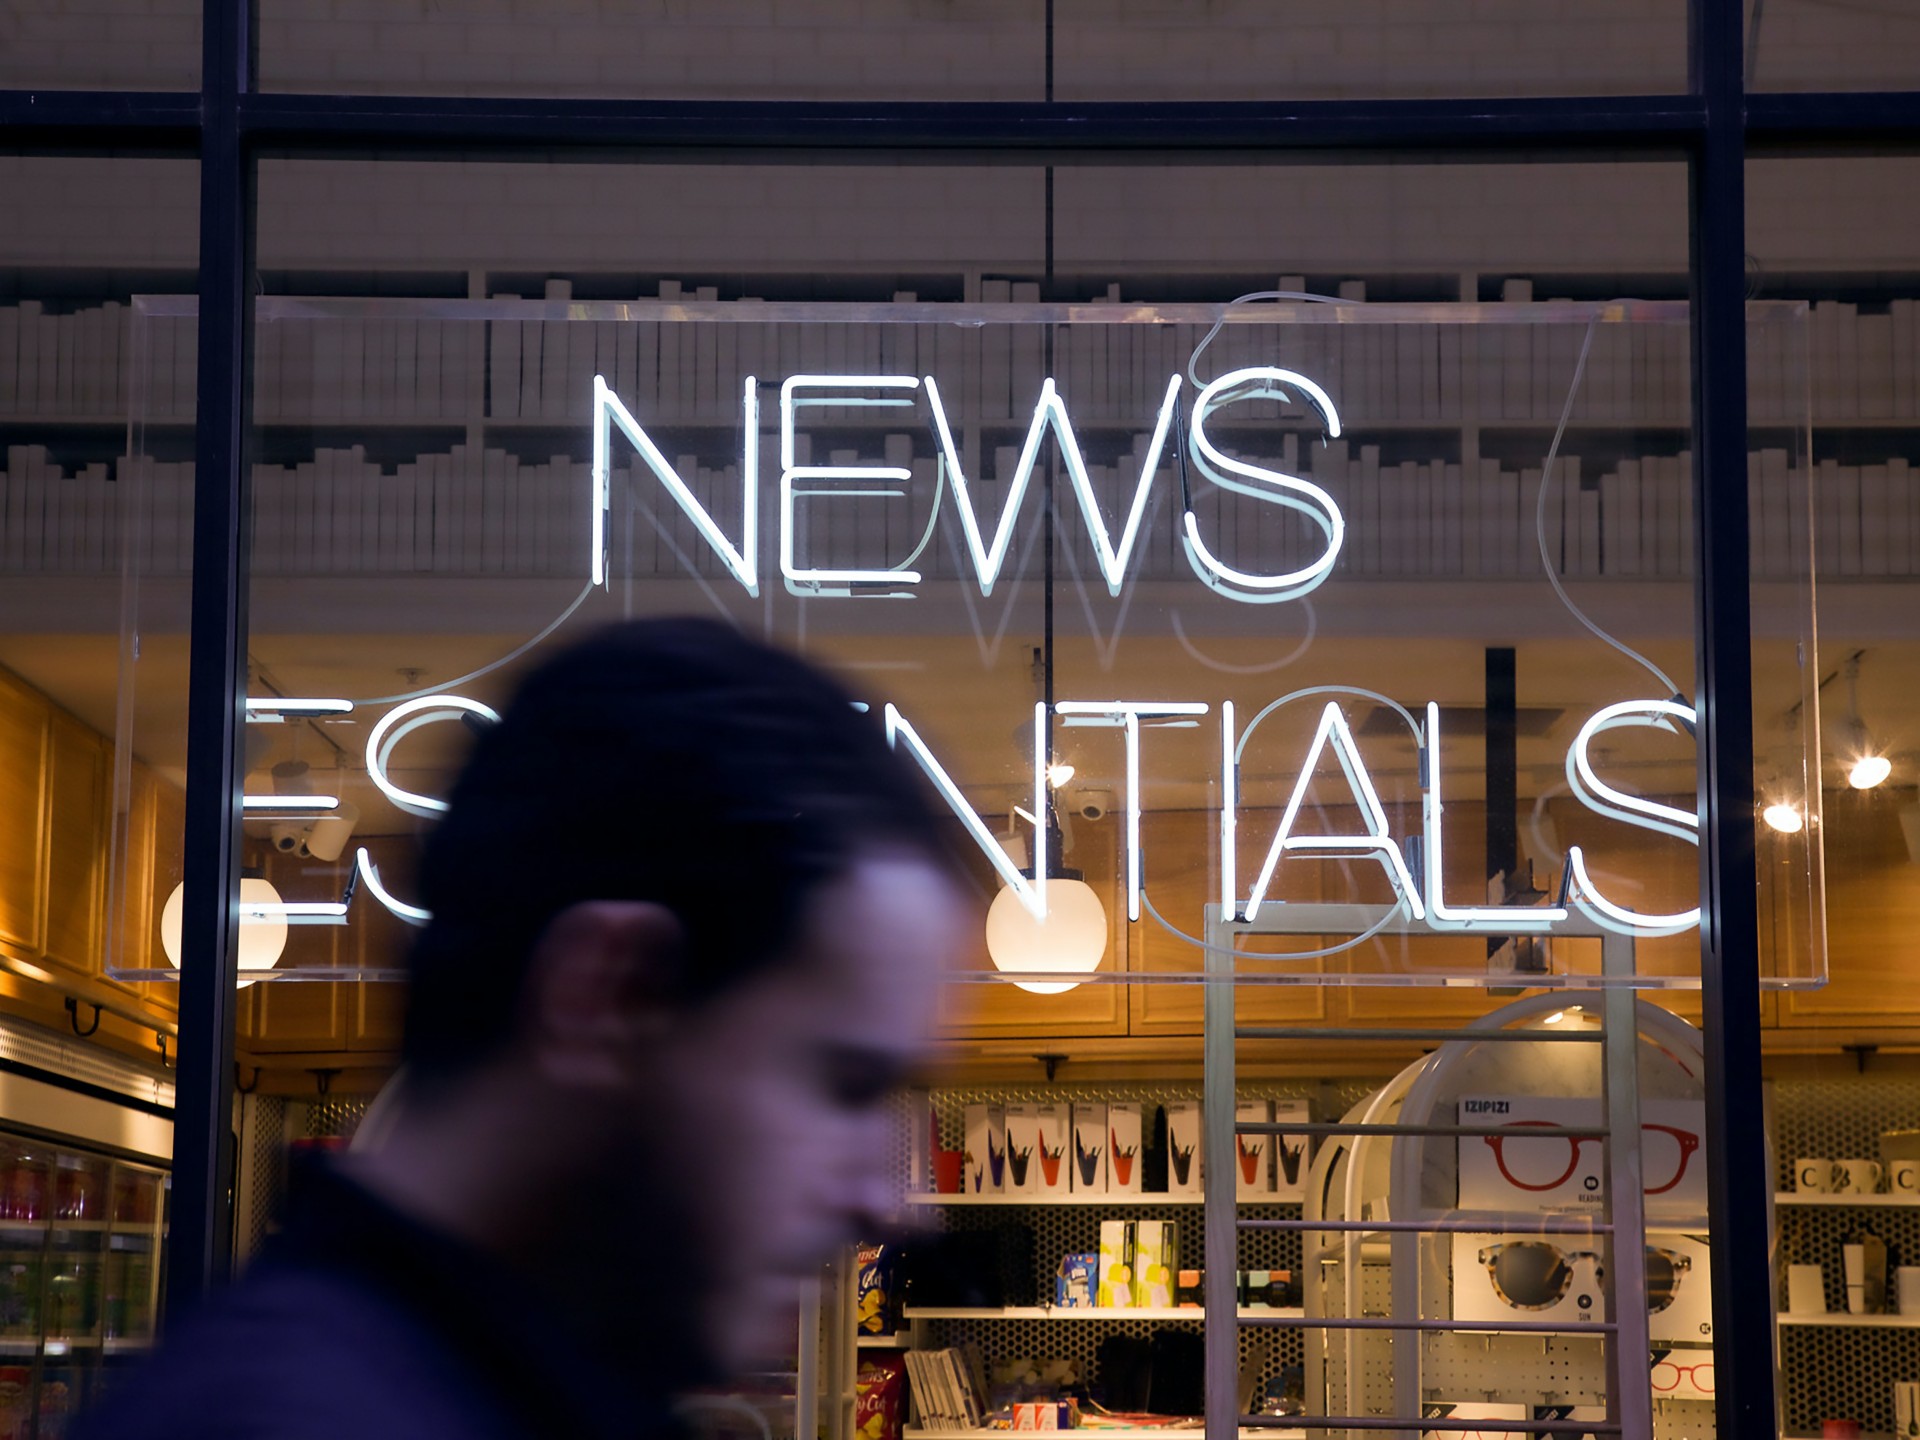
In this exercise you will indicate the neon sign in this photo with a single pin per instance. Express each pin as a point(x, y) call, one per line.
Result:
point(1420, 896)
point(846, 482)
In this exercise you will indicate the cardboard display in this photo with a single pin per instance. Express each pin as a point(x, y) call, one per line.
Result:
point(1518, 1172)
point(984, 1161)
point(1089, 1148)
point(1125, 1127)
point(1688, 1316)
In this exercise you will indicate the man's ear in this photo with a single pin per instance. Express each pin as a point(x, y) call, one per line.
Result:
point(598, 989)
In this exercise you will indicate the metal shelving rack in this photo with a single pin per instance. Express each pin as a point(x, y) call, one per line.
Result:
point(1624, 1338)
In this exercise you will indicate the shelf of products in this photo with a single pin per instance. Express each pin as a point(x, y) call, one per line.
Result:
point(1120, 1432)
point(1087, 1312)
point(1842, 1321)
point(1802, 1197)
point(1082, 1198)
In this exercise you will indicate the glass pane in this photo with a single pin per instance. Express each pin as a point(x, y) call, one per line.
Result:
point(1815, 237)
point(1478, 404)
point(100, 45)
point(1246, 50)
point(723, 49)
point(1824, 45)
point(1860, 376)
point(80, 438)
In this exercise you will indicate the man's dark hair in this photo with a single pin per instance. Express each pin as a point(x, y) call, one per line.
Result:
point(671, 761)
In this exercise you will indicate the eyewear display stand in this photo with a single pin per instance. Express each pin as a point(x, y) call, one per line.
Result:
point(1374, 1181)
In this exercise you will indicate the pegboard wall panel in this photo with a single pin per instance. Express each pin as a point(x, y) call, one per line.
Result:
point(329, 1119)
point(267, 1172)
point(1841, 1372)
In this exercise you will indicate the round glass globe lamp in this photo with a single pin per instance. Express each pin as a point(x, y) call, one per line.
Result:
point(1072, 937)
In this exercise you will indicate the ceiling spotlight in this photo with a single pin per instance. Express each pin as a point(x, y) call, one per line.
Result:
point(1868, 771)
point(1867, 767)
point(1783, 817)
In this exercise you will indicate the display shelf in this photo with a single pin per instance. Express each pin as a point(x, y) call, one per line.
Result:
point(1841, 1320)
point(67, 1344)
point(1808, 1197)
point(1082, 1198)
point(900, 1341)
point(11, 1346)
point(1122, 1432)
point(1088, 1312)
point(125, 1347)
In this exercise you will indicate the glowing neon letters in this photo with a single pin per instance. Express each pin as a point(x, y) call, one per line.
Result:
point(844, 482)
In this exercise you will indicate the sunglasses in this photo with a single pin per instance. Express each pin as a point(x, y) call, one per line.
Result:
point(1533, 1275)
point(1546, 1162)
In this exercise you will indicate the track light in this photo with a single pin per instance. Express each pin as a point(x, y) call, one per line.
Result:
point(1784, 817)
point(1867, 766)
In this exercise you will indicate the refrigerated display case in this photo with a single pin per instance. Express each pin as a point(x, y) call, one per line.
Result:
point(80, 1276)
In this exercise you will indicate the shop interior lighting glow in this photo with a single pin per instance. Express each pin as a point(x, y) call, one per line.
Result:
point(1784, 817)
point(1869, 771)
point(263, 927)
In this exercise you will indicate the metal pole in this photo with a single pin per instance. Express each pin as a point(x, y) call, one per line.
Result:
point(1630, 1395)
point(200, 1238)
point(1739, 1181)
point(1221, 1208)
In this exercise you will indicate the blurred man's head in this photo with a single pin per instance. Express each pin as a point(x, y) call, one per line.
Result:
point(688, 920)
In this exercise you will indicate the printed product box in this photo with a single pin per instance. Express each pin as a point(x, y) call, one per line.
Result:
point(1116, 1264)
point(1074, 1283)
point(1189, 1288)
point(1156, 1258)
point(984, 1164)
point(1184, 1157)
point(1253, 1154)
point(1556, 1278)
point(1292, 1154)
point(1089, 1148)
point(1124, 1129)
point(1043, 1415)
point(1053, 1135)
point(1514, 1170)
point(1023, 1150)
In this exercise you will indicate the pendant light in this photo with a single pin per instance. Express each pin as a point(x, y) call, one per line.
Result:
point(263, 938)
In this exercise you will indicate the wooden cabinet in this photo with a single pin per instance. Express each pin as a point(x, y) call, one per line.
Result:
point(24, 738)
point(78, 820)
